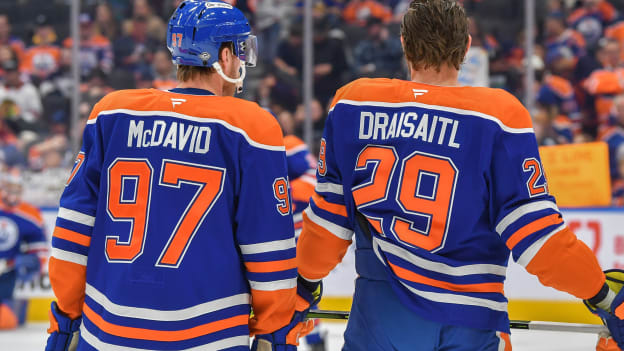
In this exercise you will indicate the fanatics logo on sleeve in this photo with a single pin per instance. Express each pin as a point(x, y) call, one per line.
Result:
point(175, 102)
point(419, 92)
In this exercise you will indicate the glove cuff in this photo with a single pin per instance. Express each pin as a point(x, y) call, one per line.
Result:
point(603, 299)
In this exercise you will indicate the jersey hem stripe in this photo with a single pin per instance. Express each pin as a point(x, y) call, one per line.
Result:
point(165, 315)
point(440, 267)
point(192, 119)
point(93, 341)
point(458, 299)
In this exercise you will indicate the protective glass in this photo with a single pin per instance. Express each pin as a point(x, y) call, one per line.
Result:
point(248, 51)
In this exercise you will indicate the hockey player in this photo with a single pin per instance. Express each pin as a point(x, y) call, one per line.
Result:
point(439, 184)
point(176, 219)
point(22, 246)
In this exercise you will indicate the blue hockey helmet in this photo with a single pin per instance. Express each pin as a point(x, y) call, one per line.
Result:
point(197, 29)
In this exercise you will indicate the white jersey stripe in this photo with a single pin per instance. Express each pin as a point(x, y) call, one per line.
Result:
point(440, 267)
point(69, 256)
point(274, 285)
point(268, 246)
point(188, 118)
point(439, 108)
point(528, 254)
point(76, 216)
point(458, 299)
point(339, 231)
point(165, 315)
point(98, 344)
point(523, 210)
point(329, 188)
point(298, 217)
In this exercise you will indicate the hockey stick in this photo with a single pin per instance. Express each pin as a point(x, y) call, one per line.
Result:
point(527, 325)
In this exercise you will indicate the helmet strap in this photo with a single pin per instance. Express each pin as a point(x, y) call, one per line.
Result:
point(238, 81)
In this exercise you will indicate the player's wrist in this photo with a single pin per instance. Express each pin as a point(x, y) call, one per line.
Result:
point(603, 299)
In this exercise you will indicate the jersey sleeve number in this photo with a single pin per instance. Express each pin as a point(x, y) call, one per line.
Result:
point(533, 165)
point(425, 193)
point(138, 173)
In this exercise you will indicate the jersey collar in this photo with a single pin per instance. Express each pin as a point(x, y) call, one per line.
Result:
point(190, 91)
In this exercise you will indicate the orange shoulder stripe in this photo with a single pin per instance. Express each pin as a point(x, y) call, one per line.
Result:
point(336, 209)
point(417, 278)
point(495, 103)
point(567, 264)
point(271, 266)
point(258, 124)
point(163, 335)
point(72, 236)
point(531, 228)
point(318, 250)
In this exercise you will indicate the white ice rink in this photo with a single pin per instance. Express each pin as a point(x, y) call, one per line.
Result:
point(33, 337)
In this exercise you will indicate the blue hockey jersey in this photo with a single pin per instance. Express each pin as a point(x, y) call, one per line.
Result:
point(449, 182)
point(174, 223)
point(21, 231)
point(302, 176)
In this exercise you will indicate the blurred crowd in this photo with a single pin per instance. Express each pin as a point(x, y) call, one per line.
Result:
point(579, 64)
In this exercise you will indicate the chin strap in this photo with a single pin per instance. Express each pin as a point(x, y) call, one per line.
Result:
point(238, 81)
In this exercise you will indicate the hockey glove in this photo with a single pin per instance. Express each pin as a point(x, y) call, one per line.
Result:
point(287, 338)
point(64, 332)
point(609, 304)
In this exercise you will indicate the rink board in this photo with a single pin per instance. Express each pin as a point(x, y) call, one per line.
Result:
point(601, 229)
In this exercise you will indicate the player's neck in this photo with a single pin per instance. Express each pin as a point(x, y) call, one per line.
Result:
point(446, 77)
point(212, 84)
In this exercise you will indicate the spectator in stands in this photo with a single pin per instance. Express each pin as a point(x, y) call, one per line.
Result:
point(318, 120)
point(268, 17)
point(358, 11)
point(558, 93)
point(591, 19)
point(6, 39)
point(42, 59)
point(551, 128)
point(616, 31)
point(604, 83)
point(156, 27)
point(53, 150)
point(288, 64)
point(9, 152)
point(95, 49)
point(105, 23)
point(562, 44)
point(379, 54)
point(132, 51)
point(330, 62)
point(163, 70)
point(24, 94)
point(614, 137)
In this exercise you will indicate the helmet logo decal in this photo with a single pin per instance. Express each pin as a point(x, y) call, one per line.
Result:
point(176, 39)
